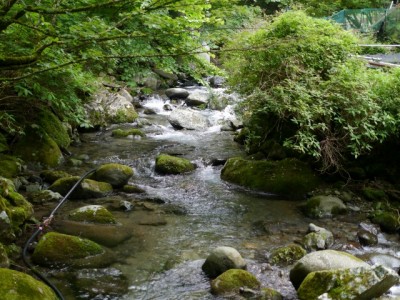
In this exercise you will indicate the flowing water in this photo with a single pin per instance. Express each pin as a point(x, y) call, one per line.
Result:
point(181, 218)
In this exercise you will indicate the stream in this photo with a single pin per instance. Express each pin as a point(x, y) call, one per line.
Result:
point(181, 218)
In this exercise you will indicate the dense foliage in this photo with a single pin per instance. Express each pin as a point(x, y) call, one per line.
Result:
point(304, 90)
point(52, 53)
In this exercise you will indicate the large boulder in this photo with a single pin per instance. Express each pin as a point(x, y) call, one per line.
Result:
point(52, 125)
point(231, 281)
point(38, 147)
point(14, 211)
point(322, 206)
point(115, 174)
point(111, 108)
point(362, 283)
point(56, 249)
point(92, 214)
point(16, 285)
point(87, 189)
point(323, 260)
point(222, 259)
point(176, 93)
point(168, 164)
point(289, 177)
point(198, 98)
point(186, 118)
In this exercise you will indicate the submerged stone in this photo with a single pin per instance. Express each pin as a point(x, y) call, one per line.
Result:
point(231, 281)
point(16, 285)
point(167, 164)
point(115, 174)
point(286, 177)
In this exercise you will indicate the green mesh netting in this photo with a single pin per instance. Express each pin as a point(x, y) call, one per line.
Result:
point(391, 27)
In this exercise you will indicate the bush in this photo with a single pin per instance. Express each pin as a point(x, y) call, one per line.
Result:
point(304, 89)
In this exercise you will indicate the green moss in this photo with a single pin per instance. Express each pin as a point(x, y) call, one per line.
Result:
point(54, 128)
point(132, 189)
point(119, 133)
point(287, 255)
point(10, 166)
point(92, 214)
point(374, 194)
point(60, 249)
point(3, 144)
point(41, 148)
point(287, 177)
point(270, 294)
point(127, 115)
point(20, 286)
point(52, 175)
point(388, 221)
point(232, 280)
point(4, 261)
point(115, 174)
point(167, 164)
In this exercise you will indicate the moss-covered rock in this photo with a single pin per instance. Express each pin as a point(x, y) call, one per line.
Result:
point(322, 206)
point(14, 211)
point(323, 260)
point(115, 174)
point(374, 194)
point(4, 261)
point(50, 176)
point(52, 125)
point(355, 283)
point(287, 177)
point(232, 280)
point(167, 164)
point(270, 294)
point(287, 255)
point(122, 115)
point(65, 250)
point(10, 166)
point(87, 189)
point(40, 148)
point(120, 133)
point(388, 221)
point(16, 285)
point(318, 238)
point(132, 189)
point(92, 214)
point(43, 196)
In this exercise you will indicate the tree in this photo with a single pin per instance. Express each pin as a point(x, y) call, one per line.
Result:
point(304, 91)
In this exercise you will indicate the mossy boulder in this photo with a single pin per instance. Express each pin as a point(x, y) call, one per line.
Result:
point(270, 294)
point(121, 133)
point(356, 283)
point(168, 164)
point(286, 177)
point(388, 221)
point(232, 280)
point(318, 238)
point(43, 196)
point(38, 147)
point(92, 214)
point(132, 189)
point(56, 249)
point(50, 176)
point(14, 211)
point(52, 125)
point(222, 259)
point(115, 174)
point(10, 166)
point(16, 285)
point(126, 114)
point(322, 206)
point(287, 255)
point(323, 260)
point(87, 189)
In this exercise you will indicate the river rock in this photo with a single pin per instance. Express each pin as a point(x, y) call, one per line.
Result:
point(10, 166)
point(367, 238)
point(323, 260)
point(133, 189)
point(43, 196)
point(363, 283)
point(56, 249)
point(198, 98)
point(109, 235)
point(318, 238)
point(120, 133)
point(231, 281)
point(87, 189)
point(287, 255)
point(322, 206)
point(17, 285)
point(289, 177)
point(115, 174)
point(176, 93)
point(222, 259)
point(92, 214)
point(186, 118)
point(387, 260)
point(167, 164)
point(217, 81)
point(388, 221)
point(50, 176)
